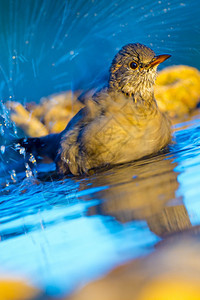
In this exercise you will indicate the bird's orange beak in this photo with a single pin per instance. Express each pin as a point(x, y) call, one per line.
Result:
point(159, 59)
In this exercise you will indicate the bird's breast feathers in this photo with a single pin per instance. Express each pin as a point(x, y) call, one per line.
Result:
point(122, 132)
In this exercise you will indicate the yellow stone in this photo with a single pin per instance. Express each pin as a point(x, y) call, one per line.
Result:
point(16, 290)
point(177, 90)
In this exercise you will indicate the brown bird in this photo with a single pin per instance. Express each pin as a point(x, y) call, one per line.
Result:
point(120, 123)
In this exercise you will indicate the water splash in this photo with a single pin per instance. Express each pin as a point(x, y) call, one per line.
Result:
point(45, 45)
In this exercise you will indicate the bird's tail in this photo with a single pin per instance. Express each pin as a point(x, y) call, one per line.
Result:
point(29, 150)
point(46, 146)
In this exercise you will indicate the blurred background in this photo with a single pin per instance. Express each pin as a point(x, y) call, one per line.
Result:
point(49, 46)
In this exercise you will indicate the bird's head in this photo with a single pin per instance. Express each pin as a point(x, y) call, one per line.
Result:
point(134, 69)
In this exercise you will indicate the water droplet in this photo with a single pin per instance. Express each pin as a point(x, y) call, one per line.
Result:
point(28, 171)
point(7, 183)
point(1, 130)
point(32, 159)
point(22, 151)
point(13, 176)
point(3, 149)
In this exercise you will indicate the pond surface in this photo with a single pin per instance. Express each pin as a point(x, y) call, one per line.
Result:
point(61, 234)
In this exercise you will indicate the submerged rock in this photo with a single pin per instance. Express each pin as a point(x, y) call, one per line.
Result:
point(11, 289)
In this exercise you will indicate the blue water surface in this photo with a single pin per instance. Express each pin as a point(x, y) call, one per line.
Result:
point(62, 233)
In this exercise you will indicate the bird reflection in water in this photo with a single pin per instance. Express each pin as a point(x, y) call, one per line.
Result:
point(145, 190)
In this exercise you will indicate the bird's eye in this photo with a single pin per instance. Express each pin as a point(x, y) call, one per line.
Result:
point(133, 65)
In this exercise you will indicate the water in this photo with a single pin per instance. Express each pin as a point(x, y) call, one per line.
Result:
point(61, 234)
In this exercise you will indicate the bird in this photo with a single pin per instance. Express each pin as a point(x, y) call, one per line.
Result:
point(119, 124)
